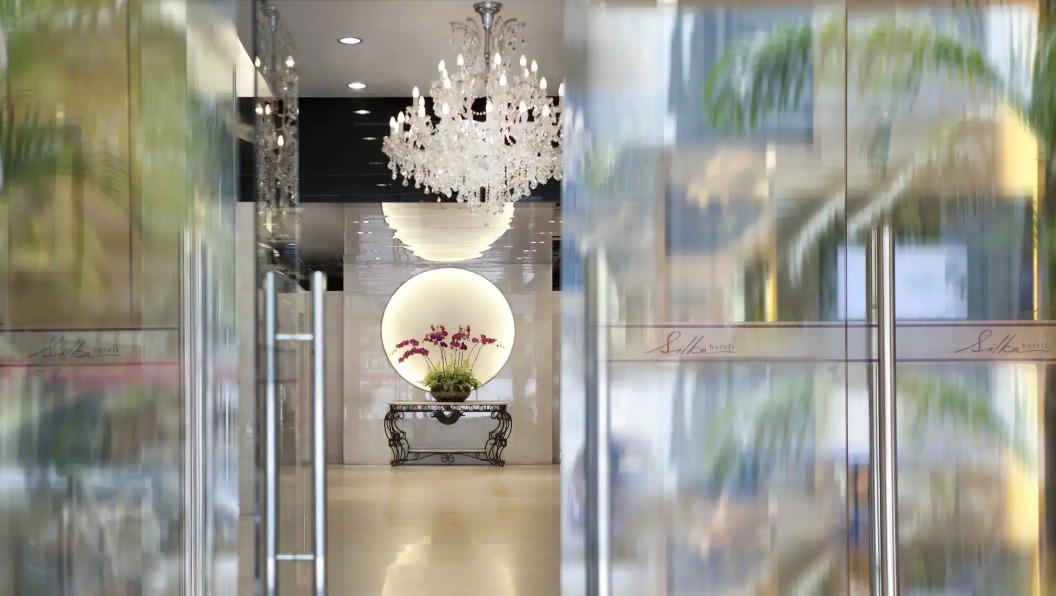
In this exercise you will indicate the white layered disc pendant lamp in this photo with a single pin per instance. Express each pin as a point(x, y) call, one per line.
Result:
point(443, 233)
point(493, 134)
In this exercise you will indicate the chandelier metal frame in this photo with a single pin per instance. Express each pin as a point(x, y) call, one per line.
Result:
point(494, 134)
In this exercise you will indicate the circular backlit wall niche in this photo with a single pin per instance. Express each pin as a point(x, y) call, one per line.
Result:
point(449, 297)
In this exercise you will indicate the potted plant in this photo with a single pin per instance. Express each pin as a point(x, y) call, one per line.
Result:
point(450, 377)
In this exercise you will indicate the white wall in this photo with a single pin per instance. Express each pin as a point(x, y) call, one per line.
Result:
point(335, 377)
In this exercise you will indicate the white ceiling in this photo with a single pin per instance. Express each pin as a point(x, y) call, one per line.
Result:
point(403, 40)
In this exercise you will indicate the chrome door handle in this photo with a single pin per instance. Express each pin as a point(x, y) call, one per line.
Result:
point(883, 484)
point(598, 448)
point(319, 430)
point(270, 441)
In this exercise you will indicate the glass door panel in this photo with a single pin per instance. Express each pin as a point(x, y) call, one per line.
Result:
point(116, 299)
point(294, 408)
point(718, 439)
point(291, 462)
point(957, 181)
point(814, 285)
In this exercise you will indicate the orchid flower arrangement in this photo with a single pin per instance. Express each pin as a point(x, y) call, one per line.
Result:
point(453, 358)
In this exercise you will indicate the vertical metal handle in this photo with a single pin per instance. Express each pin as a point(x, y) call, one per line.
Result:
point(319, 430)
point(598, 443)
point(192, 346)
point(271, 492)
point(270, 441)
point(883, 485)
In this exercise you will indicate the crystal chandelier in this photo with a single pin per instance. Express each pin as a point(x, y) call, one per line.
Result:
point(276, 114)
point(494, 134)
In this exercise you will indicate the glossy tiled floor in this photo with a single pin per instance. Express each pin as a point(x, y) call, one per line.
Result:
point(441, 531)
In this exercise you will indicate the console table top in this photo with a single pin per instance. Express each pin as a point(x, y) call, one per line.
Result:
point(440, 404)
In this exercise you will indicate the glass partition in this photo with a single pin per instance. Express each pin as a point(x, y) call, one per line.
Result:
point(721, 359)
point(973, 317)
point(288, 551)
point(116, 335)
point(726, 168)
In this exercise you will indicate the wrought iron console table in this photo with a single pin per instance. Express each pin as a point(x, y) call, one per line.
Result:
point(448, 413)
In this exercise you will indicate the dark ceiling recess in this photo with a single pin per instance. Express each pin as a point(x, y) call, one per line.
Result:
point(341, 160)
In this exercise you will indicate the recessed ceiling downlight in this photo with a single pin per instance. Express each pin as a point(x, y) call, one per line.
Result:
point(357, 85)
point(350, 41)
point(364, 113)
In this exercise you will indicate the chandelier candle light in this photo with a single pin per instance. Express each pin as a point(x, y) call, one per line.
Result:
point(494, 134)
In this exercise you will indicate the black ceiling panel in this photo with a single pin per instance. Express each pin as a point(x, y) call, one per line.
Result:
point(341, 160)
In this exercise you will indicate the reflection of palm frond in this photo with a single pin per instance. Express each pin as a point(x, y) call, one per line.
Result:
point(766, 76)
point(774, 435)
point(931, 399)
point(766, 437)
point(887, 60)
point(35, 150)
point(1041, 109)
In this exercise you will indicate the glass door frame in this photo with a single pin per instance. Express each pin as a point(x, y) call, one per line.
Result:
point(291, 359)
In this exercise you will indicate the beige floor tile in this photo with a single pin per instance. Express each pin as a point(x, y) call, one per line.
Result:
point(440, 531)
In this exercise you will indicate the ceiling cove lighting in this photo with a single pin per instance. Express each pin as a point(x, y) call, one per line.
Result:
point(357, 85)
point(491, 106)
point(350, 41)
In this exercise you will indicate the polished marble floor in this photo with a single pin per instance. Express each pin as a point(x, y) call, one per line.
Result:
point(441, 531)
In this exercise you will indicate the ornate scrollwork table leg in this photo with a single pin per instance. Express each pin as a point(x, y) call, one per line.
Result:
point(497, 438)
point(397, 437)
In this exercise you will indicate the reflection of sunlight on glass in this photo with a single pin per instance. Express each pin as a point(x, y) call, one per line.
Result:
point(400, 577)
point(729, 175)
point(1024, 504)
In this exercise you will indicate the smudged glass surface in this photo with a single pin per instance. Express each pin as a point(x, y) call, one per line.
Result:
point(116, 206)
point(724, 168)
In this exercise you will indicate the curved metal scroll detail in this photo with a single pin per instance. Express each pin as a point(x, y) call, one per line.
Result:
point(447, 415)
point(498, 438)
point(397, 437)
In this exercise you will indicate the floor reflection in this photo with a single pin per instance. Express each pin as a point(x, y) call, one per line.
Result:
point(444, 531)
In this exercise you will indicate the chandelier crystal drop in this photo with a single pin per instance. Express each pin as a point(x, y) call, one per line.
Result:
point(493, 134)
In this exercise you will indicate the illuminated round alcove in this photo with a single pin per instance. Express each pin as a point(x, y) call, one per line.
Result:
point(449, 297)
